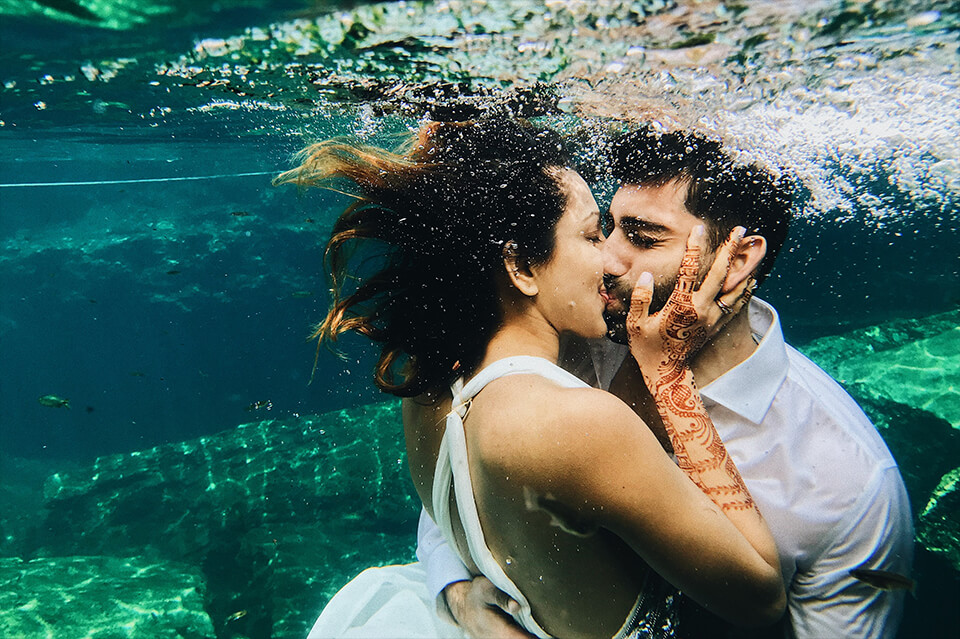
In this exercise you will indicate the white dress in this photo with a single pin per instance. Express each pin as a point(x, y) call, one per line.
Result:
point(394, 601)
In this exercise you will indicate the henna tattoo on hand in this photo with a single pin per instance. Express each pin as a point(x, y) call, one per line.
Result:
point(678, 321)
point(699, 451)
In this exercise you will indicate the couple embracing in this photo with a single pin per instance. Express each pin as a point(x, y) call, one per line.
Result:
point(609, 436)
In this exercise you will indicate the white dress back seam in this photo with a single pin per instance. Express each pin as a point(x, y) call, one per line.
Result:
point(453, 468)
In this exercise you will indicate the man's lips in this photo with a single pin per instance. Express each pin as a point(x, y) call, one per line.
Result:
point(609, 301)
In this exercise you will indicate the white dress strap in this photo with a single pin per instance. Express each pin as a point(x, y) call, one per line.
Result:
point(453, 471)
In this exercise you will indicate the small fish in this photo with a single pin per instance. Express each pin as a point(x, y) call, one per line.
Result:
point(265, 403)
point(137, 374)
point(173, 272)
point(239, 213)
point(240, 614)
point(301, 294)
point(884, 580)
point(52, 401)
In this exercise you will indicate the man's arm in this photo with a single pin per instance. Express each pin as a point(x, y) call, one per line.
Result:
point(474, 604)
point(825, 600)
point(442, 565)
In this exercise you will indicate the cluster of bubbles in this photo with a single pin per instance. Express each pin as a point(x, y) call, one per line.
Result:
point(863, 147)
point(838, 92)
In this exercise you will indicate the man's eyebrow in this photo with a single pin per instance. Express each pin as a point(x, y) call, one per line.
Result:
point(639, 224)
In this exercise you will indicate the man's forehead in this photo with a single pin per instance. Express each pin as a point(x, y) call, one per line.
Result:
point(654, 205)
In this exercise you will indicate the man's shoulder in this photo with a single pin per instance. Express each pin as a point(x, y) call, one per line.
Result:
point(813, 392)
point(807, 382)
point(815, 465)
point(827, 455)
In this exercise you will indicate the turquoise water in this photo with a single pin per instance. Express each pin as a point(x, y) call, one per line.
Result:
point(151, 276)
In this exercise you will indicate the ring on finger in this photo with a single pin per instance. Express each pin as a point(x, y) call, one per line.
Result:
point(726, 310)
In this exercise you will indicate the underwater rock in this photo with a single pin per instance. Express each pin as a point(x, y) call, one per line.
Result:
point(20, 492)
point(905, 375)
point(914, 362)
point(74, 597)
point(939, 528)
point(173, 497)
point(277, 514)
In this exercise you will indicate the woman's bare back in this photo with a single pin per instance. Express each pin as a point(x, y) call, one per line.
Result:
point(581, 580)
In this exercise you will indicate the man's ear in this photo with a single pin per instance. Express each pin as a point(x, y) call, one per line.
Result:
point(518, 270)
point(752, 250)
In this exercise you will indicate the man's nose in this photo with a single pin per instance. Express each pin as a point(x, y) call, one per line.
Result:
point(610, 251)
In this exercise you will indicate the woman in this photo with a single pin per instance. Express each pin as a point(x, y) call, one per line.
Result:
point(556, 492)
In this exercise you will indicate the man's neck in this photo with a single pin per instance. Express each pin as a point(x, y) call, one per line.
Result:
point(725, 350)
point(732, 345)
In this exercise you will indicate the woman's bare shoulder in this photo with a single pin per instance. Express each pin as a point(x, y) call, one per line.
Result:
point(533, 419)
point(523, 399)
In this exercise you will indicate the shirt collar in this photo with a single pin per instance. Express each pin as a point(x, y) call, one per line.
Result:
point(749, 388)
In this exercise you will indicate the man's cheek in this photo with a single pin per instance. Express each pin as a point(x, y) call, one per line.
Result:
point(706, 263)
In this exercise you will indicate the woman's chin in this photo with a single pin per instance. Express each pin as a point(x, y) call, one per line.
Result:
point(597, 332)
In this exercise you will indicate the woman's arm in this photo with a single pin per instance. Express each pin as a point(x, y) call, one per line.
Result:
point(662, 344)
point(590, 459)
point(695, 524)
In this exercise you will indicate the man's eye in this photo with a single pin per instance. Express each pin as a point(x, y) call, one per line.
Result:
point(640, 239)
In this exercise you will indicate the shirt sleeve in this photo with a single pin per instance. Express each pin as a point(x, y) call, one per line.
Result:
point(441, 563)
point(825, 600)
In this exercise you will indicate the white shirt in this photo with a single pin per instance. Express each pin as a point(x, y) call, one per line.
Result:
point(817, 468)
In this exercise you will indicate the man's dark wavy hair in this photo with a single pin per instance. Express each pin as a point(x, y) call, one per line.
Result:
point(721, 192)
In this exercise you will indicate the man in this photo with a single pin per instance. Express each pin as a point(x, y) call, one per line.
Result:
point(823, 478)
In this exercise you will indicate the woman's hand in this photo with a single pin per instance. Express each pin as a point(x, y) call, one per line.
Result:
point(662, 343)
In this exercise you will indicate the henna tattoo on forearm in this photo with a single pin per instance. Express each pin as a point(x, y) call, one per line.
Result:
point(700, 452)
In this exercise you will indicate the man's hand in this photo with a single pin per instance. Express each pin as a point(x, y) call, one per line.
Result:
point(483, 611)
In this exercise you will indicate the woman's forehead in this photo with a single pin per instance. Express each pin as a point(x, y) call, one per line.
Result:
point(580, 201)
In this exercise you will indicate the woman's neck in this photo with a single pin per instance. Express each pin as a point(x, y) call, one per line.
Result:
point(523, 336)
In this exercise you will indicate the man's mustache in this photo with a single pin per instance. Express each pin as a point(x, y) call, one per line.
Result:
point(618, 289)
point(615, 288)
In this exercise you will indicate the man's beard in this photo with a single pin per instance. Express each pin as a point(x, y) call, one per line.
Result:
point(621, 290)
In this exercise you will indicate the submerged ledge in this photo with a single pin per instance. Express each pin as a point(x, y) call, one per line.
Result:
point(270, 518)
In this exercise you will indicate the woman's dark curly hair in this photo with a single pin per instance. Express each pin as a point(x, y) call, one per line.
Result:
point(445, 206)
